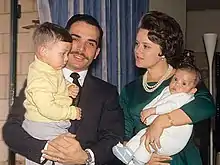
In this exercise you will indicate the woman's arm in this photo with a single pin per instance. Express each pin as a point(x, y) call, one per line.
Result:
point(201, 108)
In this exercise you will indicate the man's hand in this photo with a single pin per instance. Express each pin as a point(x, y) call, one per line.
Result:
point(145, 113)
point(65, 149)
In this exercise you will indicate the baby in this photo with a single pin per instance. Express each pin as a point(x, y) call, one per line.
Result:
point(180, 91)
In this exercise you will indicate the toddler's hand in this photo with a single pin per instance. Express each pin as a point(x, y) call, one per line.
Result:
point(78, 113)
point(146, 113)
point(73, 90)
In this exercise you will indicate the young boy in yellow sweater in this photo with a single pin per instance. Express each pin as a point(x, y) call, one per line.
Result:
point(47, 93)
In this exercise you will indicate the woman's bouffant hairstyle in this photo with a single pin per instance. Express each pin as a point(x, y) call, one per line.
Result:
point(164, 31)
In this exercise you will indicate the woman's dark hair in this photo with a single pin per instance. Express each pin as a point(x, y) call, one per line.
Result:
point(88, 19)
point(187, 63)
point(166, 32)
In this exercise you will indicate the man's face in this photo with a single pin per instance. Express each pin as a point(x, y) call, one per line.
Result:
point(84, 46)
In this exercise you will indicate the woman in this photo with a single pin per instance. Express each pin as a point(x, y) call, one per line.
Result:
point(159, 42)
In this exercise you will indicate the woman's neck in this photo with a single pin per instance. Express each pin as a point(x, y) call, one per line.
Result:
point(157, 72)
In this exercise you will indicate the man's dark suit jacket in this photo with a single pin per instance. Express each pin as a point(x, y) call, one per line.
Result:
point(101, 127)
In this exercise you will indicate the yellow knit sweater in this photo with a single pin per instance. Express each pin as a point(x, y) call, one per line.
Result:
point(47, 94)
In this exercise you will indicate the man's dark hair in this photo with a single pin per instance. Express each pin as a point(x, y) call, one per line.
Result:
point(88, 19)
point(164, 31)
point(49, 33)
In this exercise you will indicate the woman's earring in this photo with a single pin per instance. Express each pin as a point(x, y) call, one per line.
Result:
point(162, 57)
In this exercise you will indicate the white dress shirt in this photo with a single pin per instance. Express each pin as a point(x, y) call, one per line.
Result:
point(68, 72)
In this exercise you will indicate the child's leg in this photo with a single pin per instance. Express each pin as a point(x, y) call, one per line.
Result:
point(135, 141)
point(29, 162)
point(174, 139)
point(48, 130)
point(125, 153)
point(48, 162)
point(141, 155)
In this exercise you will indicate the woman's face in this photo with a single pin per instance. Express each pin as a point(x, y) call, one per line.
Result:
point(146, 52)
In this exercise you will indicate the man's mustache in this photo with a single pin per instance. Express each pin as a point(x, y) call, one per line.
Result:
point(79, 53)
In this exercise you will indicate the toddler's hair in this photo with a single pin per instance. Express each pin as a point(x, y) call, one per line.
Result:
point(50, 33)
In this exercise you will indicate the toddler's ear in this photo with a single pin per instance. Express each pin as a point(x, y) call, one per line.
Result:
point(193, 91)
point(42, 51)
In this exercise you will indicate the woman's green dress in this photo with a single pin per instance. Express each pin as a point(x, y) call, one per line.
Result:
point(133, 99)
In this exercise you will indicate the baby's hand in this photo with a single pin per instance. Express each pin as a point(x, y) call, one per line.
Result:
point(78, 113)
point(146, 113)
point(73, 90)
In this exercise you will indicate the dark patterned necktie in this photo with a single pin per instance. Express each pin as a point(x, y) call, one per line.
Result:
point(75, 76)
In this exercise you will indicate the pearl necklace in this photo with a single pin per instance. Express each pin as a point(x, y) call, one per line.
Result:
point(152, 88)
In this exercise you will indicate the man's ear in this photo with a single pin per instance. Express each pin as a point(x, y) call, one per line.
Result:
point(97, 53)
point(193, 91)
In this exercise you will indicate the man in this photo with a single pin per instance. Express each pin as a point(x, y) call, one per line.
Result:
point(102, 123)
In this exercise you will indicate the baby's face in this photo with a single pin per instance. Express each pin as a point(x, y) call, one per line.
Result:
point(183, 81)
point(57, 54)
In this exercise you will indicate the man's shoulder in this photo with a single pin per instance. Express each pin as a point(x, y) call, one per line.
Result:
point(102, 83)
point(100, 86)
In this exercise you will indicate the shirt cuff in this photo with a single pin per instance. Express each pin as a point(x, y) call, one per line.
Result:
point(92, 156)
point(42, 158)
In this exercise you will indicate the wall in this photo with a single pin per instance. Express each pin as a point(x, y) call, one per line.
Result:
point(174, 8)
point(25, 56)
point(198, 23)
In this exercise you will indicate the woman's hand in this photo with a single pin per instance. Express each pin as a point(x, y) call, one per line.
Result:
point(159, 159)
point(154, 131)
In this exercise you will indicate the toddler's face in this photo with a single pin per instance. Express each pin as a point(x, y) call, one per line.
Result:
point(183, 81)
point(57, 54)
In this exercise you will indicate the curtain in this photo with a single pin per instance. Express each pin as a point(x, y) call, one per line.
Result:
point(119, 20)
